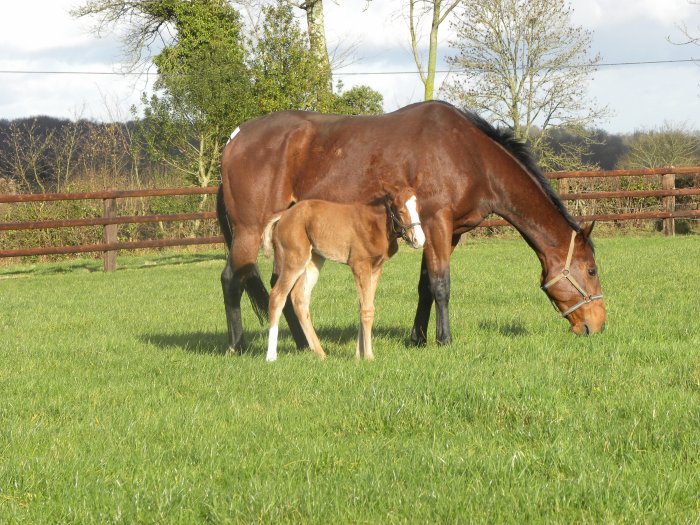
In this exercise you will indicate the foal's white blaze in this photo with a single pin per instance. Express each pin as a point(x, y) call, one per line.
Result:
point(418, 234)
point(272, 344)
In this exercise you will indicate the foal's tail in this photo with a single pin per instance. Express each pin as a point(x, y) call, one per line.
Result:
point(221, 215)
point(267, 235)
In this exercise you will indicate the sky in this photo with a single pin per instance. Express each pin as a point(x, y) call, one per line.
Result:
point(640, 97)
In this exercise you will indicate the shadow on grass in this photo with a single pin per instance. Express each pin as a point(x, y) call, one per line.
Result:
point(509, 329)
point(212, 343)
point(51, 268)
point(134, 262)
point(215, 343)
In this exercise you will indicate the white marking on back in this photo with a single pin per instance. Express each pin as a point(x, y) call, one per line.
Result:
point(235, 132)
point(415, 219)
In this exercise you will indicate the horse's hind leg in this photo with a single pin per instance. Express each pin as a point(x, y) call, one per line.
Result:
point(301, 299)
point(232, 289)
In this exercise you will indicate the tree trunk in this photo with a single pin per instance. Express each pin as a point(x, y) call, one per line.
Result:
point(317, 35)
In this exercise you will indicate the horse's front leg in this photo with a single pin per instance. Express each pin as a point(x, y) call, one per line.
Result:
point(419, 333)
point(436, 261)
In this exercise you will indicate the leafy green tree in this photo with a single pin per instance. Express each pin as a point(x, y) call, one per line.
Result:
point(359, 100)
point(203, 89)
point(283, 67)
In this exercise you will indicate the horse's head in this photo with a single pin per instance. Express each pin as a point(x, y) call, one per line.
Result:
point(403, 208)
point(573, 286)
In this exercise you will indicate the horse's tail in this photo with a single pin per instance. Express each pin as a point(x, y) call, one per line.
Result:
point(267, 235)
point(221, 215)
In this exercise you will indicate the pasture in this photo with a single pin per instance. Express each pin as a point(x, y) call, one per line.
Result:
point(118, 406)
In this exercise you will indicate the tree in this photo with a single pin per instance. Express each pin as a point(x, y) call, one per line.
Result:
point(690, 37)
point(316, 29)
point(525, 65)
point(417, 10)
point(144, 24)
point(668, 145)
point(203, 90)
point(284, 68)
point(359, 100)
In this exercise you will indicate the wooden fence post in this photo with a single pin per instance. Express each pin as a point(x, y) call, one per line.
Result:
point(110, 235)
point(668, 182)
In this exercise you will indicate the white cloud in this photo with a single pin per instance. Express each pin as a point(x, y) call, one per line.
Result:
point(41, 35)
point(38, 25)
point(600, 13)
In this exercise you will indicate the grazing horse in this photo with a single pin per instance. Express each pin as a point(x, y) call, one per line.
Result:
point(462, 169)
point(360, 235)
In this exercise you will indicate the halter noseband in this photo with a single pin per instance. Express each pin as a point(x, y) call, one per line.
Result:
point(566, 274)
point(398, 228)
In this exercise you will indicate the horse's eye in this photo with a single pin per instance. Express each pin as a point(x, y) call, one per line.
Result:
point(592, 272)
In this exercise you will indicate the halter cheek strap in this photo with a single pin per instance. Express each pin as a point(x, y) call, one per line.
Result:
point(398, 228)
point(566, 274)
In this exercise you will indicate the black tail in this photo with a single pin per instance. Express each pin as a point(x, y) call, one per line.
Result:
point(223, 217)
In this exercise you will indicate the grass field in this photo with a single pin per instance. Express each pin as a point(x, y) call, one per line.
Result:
point(118, 405)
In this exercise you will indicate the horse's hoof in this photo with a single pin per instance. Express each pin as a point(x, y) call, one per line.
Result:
point(418, 341)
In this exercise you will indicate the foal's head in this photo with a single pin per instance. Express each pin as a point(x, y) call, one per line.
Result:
point(404, 220)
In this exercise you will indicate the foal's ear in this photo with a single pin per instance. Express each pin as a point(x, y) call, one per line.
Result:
point(388, 190)
point(588, 229)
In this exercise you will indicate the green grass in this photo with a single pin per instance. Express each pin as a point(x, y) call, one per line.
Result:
point(118, 406)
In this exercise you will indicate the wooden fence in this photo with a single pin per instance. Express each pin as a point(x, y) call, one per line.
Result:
point(111, 219)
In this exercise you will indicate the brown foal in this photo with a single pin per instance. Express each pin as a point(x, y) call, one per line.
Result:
point(362, 236)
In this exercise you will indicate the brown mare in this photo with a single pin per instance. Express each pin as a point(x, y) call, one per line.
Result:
point(360, 235)
point(462, 169)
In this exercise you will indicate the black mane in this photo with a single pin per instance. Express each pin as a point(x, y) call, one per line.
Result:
point(522, 153)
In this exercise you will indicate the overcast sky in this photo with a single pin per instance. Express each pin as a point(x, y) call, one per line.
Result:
point(40, 35)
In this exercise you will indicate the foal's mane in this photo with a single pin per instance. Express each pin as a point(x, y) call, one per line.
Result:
point(523, 154)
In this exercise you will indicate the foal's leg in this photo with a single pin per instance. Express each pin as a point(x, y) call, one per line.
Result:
point(278, 296)
point(301, 298)
point(366, 279)
point(289, 315)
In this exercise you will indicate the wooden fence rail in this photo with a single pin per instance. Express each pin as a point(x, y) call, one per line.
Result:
point(111, 220)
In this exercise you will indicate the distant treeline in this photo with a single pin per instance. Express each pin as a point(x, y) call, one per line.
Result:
point(51, 154)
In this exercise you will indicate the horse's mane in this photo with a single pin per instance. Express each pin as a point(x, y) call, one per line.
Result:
point(523, 154)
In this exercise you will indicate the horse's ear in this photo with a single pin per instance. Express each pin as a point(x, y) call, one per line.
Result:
point(588, 229)
point(387, 189)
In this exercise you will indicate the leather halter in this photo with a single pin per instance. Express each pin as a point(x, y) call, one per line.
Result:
point(566, 274)
point(398, 228)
